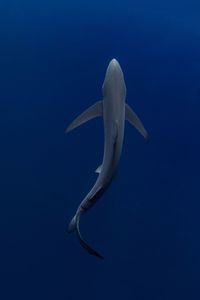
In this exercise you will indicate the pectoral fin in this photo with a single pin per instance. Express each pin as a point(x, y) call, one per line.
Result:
point(135, 121)
point(93, 111)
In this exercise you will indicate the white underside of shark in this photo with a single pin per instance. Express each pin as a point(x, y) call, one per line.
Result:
point(114, 111)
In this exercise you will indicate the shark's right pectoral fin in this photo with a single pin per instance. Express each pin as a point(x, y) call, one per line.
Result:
point(135, 121)
point(96, 110)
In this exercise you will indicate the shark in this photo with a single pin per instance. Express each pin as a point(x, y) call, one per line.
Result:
point(115, 111)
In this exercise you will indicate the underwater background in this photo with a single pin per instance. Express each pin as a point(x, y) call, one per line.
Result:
point(53, 58)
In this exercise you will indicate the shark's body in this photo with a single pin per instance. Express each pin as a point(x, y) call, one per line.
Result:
point(114, 111)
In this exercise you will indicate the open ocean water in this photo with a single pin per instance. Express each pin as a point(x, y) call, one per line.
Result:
point(53, 58)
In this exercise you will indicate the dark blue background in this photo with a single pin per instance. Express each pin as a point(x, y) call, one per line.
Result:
point(53, 56)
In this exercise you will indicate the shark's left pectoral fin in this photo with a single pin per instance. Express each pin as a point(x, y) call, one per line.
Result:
point(135, 121)
point(93, 111)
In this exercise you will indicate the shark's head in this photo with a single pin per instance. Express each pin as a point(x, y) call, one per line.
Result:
point(114, 80)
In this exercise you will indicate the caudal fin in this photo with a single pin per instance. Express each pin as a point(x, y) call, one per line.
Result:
point(74, 225)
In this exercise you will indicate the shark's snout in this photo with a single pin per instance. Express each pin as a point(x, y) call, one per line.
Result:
point(114, 63)
point(113, 68)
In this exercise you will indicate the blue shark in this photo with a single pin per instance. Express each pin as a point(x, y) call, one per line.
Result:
point(114, 110)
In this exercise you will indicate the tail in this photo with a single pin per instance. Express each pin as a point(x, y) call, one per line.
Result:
point(74, 226)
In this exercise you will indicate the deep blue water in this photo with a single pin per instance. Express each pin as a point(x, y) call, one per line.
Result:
point(53, 57)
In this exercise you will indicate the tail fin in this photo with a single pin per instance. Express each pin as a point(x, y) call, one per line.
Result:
point(74, 225)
